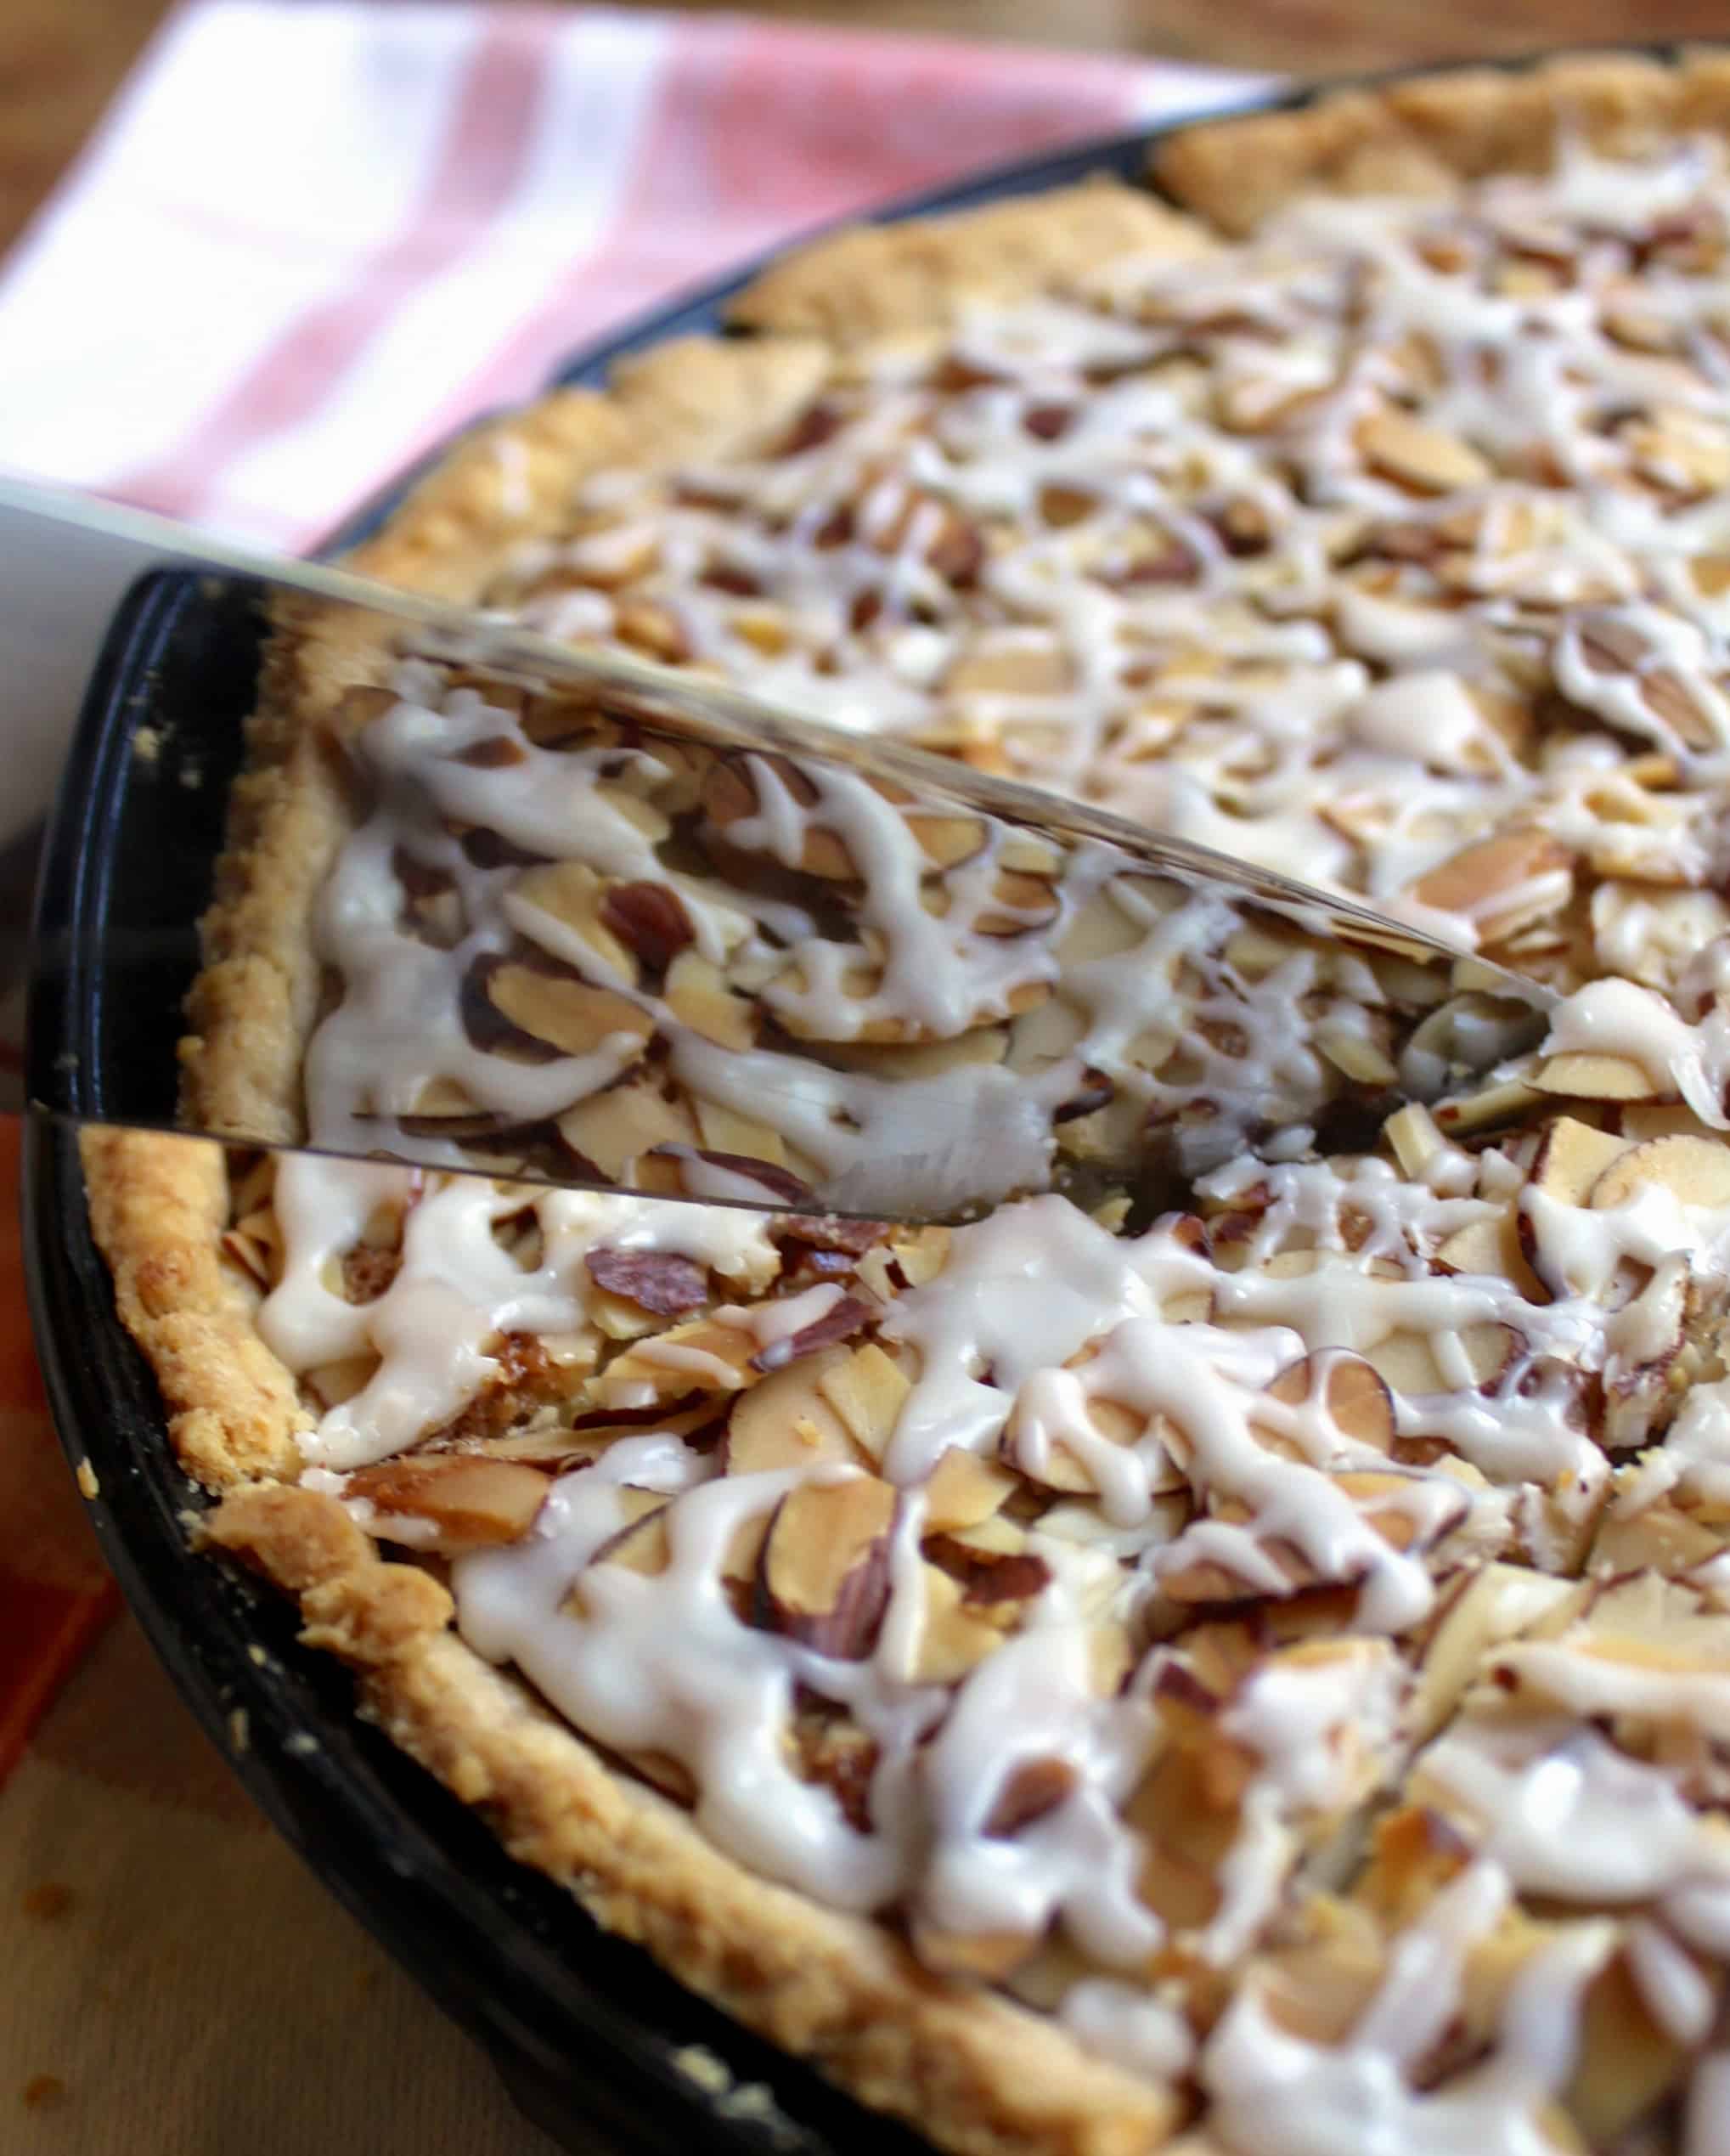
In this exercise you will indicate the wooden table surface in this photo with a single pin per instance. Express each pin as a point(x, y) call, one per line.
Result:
point(61, 61)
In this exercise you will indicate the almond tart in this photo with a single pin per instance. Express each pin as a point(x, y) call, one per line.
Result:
point(1252, 1675)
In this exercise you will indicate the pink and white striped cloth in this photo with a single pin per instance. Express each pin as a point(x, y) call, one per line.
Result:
point(312, 237)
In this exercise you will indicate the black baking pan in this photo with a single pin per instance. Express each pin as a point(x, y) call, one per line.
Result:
point(585, 2030)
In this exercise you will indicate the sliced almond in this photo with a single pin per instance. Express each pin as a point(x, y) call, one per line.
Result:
point(653, 629)
point(641, 1545)
point(649, 918)
point(946, 841)
point(825, 1574)
point(903, 1060)
point(964, 1490)
point(1486, 1107)
point(1413, 1136)
point(1583, 1074)
point(1354, 1054)
point(698, 997)
point(788, 1421)
point(1408, 1363)
point(659, 1281)
point(952, 1639)
point(1348, 1390)
point(1481, 1610)
point(1020, 903)
point(728, 798)
point(1572, 1157)
point(1492, 1247)
point(615, 1128)
point(573, 895)
point(564, 1011)
point(700, 1357)
point(1695, 1170)
point(1424, 458)
point(1502, 884)
point(867, 1389)
point(724, 1130)
point(1659, 1119)
point(472, 1501)
point(1014, 669)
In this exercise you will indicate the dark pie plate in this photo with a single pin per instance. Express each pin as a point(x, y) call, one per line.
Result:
point(587, 2032)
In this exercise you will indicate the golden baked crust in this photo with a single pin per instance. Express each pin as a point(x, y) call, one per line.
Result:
point(1419, 135)
point(873, 280)
point(967, 2066)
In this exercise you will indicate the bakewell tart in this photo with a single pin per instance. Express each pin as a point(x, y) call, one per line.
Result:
point(1239, 1660)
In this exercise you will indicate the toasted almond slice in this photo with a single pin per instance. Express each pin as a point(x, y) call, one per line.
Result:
point(641, 1545)
point(1481, 1610)
point(1354, 1055)
point(728, 798)
point(1658, 1118)
point(952, 1639)
point(1502, 884)
point(700, 1357)
point(1102, 929)
point(1025, 669)
point(1255, 951)
point(1571, 1157)
point(824, 1578)
point(575, 896)
point(1485, 1107)
point(1347, 1389)
point(946, 841)
point(566, 1013)
point(1695, 1170)
point(698, 997)
point(1028, 855)
point(653, 629)
point(1424, 458)
point(1020, 903)
point(964, 1491)
point(649, 918)
point(471, 1500)
point(643, 815)
point(788, 1420)
point(867, 1388)
point(1408, 1362)
point(1413, 1136)
point(1585, 1075)
point(613, 1129)
point(1627, 2061)
point(1492, 1247)
point(724, 1130)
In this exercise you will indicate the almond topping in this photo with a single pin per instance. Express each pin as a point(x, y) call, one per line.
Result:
point(698, 997)
point(651, 919)
point(1500, 883)
point(1424, 458)
point(1695, 1170)
point(1585, 1075)
point(659, 1280)
point(472, 1501)
point(825, 1574)
point(1347, 1388)
point(565, 1013)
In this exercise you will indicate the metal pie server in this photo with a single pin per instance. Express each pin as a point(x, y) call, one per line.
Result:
point(909, 1135)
